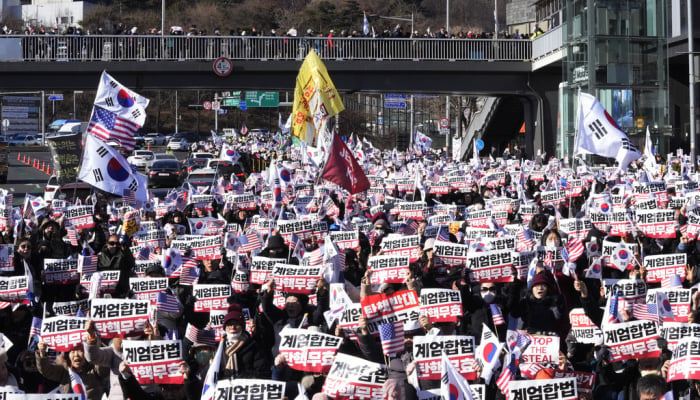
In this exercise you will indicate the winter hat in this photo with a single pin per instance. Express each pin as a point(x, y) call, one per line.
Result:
point(544, 277)
point(234, 317)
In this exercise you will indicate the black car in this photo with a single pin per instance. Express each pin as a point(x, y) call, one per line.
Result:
point(164, 173)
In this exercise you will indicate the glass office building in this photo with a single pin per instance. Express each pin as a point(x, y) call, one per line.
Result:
point(616, 51)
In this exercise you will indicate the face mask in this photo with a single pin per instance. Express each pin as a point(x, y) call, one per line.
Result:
point(488, 297)
point(232, 337)
point(552, 243)
point(380, 232)
point(202, 358)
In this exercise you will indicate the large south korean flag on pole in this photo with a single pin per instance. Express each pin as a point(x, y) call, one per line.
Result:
point(106, 169)
point(598, 133)
point(124, 102)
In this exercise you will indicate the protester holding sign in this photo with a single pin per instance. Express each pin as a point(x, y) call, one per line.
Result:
point(91, 375)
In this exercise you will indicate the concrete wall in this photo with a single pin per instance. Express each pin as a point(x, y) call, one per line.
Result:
point(55, 13)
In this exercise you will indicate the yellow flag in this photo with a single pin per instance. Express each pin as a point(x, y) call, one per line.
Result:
point(315, 98)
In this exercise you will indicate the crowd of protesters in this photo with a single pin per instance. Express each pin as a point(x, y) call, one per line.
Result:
point(536, 302)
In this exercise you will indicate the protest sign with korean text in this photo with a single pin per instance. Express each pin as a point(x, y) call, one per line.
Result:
point(491, 266)
point(406, 246)
point(441, 305)
point(210, 297)
point(63, 333)
point(583, 329)
point(58, 271)
point(665, 265)
point(308, 351)
point(632, 340)
point(148, 288)
point(388, 269)
point(249, 389)
point(550, 389)
point(119, 317)
point(355, 378)
point(428, 352)
point(154, 361)
point(399, 306)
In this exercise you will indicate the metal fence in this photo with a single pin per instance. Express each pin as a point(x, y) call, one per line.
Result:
point(69, 48)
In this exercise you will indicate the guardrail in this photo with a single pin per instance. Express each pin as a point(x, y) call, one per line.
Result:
point(548, 43)
point(74, 48)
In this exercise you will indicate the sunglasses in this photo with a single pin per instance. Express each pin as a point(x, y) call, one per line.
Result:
point(112, 243)
point(25, 247)
point(488, 289)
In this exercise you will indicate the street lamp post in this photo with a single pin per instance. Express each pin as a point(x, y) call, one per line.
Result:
point(691, 84)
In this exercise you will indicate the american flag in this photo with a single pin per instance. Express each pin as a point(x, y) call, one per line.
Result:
point(673, 281)
point(87, 264)
point(72, 235)
point(443, 234)
point(35, 330)
point(497, 315)
point(293, 243)
point(203, 336)
point(129, 196)
point(391, 334)
point(507, 374)
point(644, 311)
point(107, 126)
point(316, 257)
point(575, 248)
point(613, 315)
point(409, 227)
point(167, 303)
point(189, 272)
point(525, 240)
point(250, 242)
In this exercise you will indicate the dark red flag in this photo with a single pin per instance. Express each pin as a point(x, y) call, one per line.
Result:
point(342, 168)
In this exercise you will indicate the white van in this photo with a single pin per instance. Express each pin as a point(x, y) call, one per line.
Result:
point(72, 127)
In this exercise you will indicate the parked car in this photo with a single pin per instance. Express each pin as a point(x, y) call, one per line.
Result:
point(223, 167)
point(203, 155)
point(141, 159)
point(155, 139)
point(51, 187)
point(22, 139)
point(164, 173)
point(201, 179)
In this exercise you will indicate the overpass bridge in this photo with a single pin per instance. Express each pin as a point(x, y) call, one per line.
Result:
point(475, 67)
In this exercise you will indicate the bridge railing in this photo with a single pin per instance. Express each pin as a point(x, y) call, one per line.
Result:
point(72, 48)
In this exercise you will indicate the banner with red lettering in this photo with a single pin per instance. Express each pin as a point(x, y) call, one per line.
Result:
point(664, 265)
point(388, 269)
point(583, 329)
point(346, 239)
point(428, 352)
point(303, 228)
point(550, 389)
point(491, 266)
point(577, 227)
point(542, 350)
point(58, 271)
point(79, 217)
point(261, 268)
point(355, 378)
point(399, 306)
point(108, 283)
point(584, 380)
point(680, 300)
point(450, 254)
point(119, 317)
point(210, 297)
point(63, 333)
point(249, 389)
point(13, 288)
point(413, 209)
point(148, 288)
point(631, 291)
point(154, 361)
point(657, 224)
point(406, 246)
point(308, 351)
point(68, 308)
point(674, 332)
point(296, 278)
point(686, 357)
point(203, 247)
point(441, 305)
point(632, 340)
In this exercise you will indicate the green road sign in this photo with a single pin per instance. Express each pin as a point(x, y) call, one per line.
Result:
point(262, 99)
point(233, 100)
